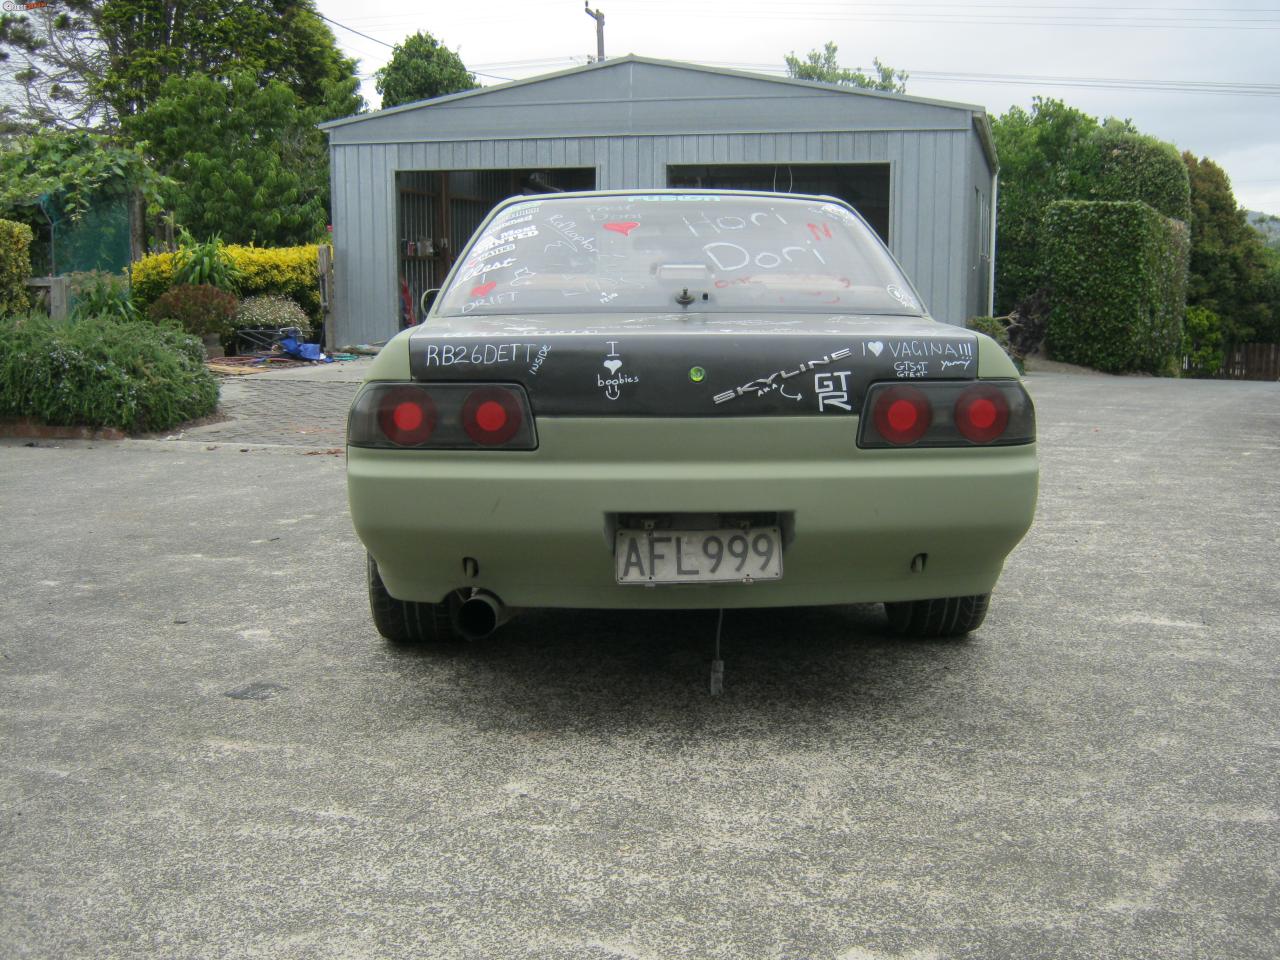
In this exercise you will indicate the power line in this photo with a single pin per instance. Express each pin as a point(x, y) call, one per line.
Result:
point(391, 46)
point(1008, 15)
point(1214, 87)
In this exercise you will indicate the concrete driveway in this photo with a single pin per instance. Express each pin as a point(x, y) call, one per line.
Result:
point(208, 752)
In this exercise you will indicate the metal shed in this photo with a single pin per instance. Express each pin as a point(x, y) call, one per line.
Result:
point(411, 183)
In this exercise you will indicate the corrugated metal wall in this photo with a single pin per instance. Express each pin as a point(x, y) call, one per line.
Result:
point(932, 182)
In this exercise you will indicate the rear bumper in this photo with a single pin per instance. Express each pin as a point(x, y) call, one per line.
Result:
point(537, 522)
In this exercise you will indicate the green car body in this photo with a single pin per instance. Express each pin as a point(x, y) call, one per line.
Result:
point(535, 527)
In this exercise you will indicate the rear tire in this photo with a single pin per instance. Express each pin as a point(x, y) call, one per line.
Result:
point(407, 621)
point(944, 617)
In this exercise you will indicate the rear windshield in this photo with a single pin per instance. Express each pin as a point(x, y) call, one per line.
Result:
point(668, 253)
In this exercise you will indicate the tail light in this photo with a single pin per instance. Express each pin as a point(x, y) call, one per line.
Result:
point(902, 414)
point(491, 416)
point(441, 416)
point(407, 417)
point(947, 414)
point(982, 414)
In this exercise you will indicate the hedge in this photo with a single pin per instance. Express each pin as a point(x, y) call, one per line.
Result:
point(285, 271)
point(1118, 273)
point(1131, 166)
point(102, 371)
point(15, 266)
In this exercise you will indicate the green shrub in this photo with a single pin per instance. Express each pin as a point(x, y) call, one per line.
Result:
point(97, 293)
point(997, 328)
point(15, 266)
point(994, 327)
point(1118, 273)
point(150, 277)
point(1202, 349)
point(270, 311)
point(200, 309)
point(102, 372)
point(207, 263)
point(284, 271)
point(1131, 166)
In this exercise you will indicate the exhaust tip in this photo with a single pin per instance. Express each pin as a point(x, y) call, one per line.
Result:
point(478, 615)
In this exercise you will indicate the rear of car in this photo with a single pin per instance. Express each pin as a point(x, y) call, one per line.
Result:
point(686, 400)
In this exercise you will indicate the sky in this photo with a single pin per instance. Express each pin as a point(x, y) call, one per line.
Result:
point(1204, 76)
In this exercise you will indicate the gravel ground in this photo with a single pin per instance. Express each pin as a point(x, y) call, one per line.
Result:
point(208, 752)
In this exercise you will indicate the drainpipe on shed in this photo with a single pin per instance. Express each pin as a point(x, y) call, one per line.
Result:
point(991, 259)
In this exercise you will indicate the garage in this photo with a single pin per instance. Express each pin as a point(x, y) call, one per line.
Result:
point(410, 184)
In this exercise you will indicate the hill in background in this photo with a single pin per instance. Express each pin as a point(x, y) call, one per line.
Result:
point(1266, 224)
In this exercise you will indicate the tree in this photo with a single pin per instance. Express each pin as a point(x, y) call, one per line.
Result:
point(1039, 163)
point(274, 40)
point(59, 176)
point(1231, 271)
point(246, 160)
point(87, 64)
point(825, 67)
point(419, 69)
point(51, 62)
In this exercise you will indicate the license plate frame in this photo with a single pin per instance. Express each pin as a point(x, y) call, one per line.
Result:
point(667, 557)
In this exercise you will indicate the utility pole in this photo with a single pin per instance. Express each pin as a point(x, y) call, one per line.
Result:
point(598, 16)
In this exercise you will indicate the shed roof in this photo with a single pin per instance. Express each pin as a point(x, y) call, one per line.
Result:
point(661, 97)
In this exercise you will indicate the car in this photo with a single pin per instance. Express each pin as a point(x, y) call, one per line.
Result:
point(685, 400)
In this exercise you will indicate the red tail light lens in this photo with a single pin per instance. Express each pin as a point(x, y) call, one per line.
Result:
point(491, 417)
point(407, 417)
point(902, 414)
point(982, 414)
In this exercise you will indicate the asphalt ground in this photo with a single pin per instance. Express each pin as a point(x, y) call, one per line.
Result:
point(207, 751)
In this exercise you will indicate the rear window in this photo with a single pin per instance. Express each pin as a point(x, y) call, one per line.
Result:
point(669, 252)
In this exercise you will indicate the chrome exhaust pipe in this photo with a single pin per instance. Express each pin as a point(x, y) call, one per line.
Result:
point(479, 614)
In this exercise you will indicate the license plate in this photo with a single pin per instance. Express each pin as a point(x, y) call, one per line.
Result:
point(699, 556)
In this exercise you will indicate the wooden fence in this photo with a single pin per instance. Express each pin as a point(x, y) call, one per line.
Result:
point(1253, 361)
point(51, 295)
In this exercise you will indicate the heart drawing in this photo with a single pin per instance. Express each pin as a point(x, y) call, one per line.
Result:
point(484, 289)
point(623, 228)
point(612, 365)
point(875, 346)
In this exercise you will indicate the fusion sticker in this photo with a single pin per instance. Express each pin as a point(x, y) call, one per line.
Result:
point(832, 390)
point(676, 198)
